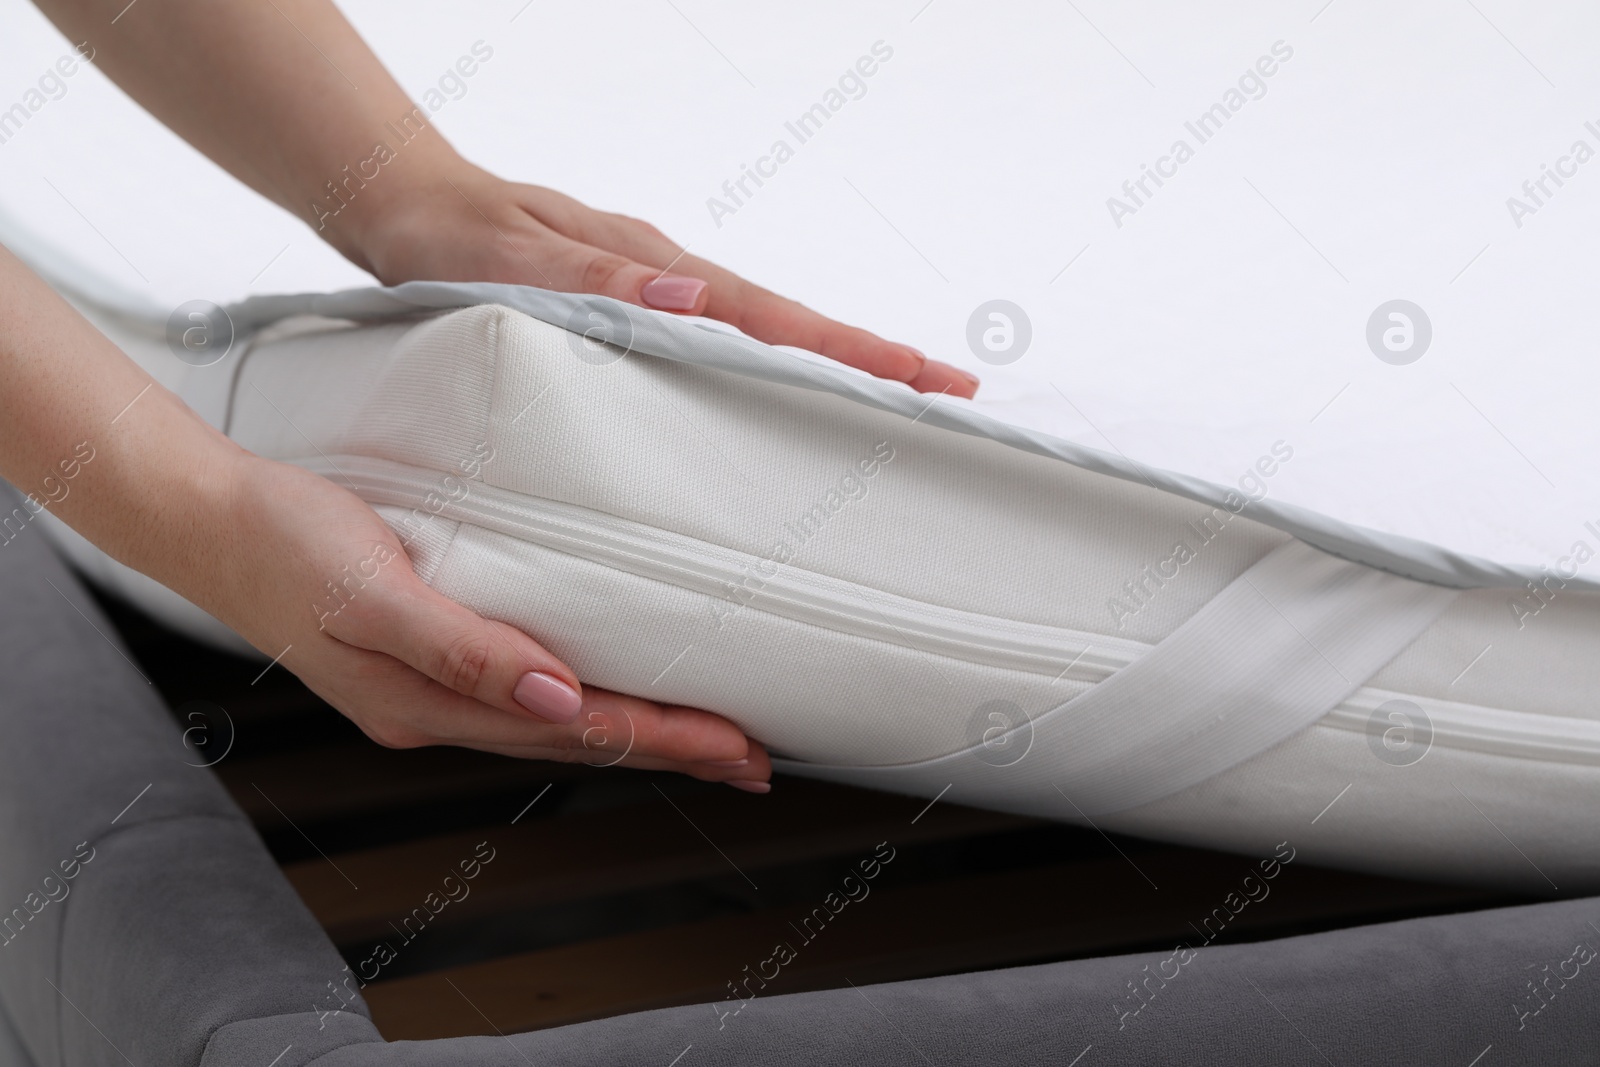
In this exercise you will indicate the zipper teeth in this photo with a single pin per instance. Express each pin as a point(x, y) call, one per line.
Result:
point(735, 577)
point(839, 605)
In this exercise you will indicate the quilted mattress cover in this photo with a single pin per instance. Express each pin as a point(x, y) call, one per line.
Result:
point(902, 592)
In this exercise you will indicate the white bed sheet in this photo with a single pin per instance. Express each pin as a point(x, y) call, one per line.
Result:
point(1226, 314)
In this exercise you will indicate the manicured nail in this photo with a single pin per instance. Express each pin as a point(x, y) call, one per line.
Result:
point(752, 787)
point(549, 698)
point(672, 292)
point(726, 762)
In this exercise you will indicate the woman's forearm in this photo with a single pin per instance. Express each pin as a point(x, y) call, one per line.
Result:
point(88, 435)
point(284, 94)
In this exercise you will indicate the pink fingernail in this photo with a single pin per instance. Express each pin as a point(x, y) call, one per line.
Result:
point(547, 697)
point(752, 787)
point(726, 762)
point(672, 292)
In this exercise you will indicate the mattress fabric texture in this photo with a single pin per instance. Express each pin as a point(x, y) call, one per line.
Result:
point(896, 591)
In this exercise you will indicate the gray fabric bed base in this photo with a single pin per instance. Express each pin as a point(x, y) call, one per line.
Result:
point(12, 1052)
point(177, 942)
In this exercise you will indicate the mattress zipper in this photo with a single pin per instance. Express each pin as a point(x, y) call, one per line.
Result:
point(791, 592)
point(1493, 731)
point(931, 629)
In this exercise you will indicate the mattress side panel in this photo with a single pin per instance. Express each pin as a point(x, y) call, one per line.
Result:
point(1487, 649)
point(855, 493)
point(1453, 814)
point(804, 689)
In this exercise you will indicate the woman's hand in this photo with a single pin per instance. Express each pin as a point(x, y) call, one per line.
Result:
point(286, 97)
point(303, 570)
point(309, 567)
point(450, 221)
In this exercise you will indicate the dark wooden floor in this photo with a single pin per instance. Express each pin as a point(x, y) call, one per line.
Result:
point(596, 892)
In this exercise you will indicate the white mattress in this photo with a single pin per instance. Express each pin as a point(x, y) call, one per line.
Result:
point(905, 594)
point(1222, 323)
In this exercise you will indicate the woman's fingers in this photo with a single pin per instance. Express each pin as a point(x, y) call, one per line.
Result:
point(754, 776)
point(684, 740)
point(939, 377)
point(697, 286)
point(574, 267)
point(612, 729)
point(768, 317)
point(615, 725)
point(779, 321)
point(464, 653)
